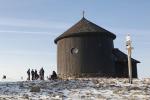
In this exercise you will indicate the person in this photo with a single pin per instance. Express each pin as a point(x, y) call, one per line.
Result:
point(33, 74)
point(54, 75)
point(4, 76)
point(36, 75)
point(28, 72)
point(41, 74)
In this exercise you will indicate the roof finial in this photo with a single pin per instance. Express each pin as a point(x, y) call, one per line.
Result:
point(83, 13)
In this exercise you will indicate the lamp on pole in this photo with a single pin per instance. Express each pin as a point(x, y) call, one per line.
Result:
point(129, 49)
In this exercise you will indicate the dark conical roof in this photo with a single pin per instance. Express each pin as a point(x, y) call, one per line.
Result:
point(85, 27)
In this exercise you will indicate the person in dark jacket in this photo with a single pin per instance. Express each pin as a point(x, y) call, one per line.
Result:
point(54, 75)
point(41, 74)
point(33, 74)
point(36, 75)
point(28, 73)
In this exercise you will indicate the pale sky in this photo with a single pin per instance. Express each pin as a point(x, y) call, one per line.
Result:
point(28, 29)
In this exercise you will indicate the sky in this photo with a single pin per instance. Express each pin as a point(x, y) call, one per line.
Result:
point(28, 29)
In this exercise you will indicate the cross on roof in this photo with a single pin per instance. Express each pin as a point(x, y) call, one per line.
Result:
point(83, 13)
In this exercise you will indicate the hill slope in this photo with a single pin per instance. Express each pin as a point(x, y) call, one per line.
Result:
point(79, 89)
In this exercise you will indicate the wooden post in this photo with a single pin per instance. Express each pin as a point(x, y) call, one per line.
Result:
point(129, 64)
point(129, 48)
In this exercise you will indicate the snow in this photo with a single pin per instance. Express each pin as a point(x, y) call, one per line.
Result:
point(77, 89)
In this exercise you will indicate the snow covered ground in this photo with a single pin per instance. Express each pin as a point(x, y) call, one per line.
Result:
point(79, 89)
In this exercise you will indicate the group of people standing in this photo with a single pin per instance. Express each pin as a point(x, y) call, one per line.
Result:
point(33, 74)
